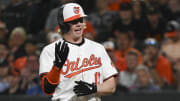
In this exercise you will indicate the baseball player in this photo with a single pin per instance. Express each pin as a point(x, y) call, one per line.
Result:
point(75, 68)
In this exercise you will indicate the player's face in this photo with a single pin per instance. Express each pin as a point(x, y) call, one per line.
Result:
point(77, 27)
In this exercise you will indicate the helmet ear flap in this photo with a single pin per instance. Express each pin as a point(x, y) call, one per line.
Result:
point(63, 25)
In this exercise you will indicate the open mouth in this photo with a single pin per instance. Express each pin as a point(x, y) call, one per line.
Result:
point(78, 30)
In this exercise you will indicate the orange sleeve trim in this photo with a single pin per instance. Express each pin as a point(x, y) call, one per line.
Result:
point(44, 88)
point(54, 75)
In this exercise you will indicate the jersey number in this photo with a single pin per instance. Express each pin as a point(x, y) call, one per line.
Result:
point(97, 77)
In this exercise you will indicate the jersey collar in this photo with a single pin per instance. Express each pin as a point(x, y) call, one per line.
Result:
point(77, 44)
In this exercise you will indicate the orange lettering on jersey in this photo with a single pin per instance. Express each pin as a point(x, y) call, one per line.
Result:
point(67, 67)
point(92, 63)
point(91, 60)
point(72, 65)
point(77, 63)
point(85, 62)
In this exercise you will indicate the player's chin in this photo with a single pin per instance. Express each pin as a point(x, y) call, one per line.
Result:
point(78, 33)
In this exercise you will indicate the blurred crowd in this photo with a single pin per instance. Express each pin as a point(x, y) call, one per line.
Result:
point(142, 38)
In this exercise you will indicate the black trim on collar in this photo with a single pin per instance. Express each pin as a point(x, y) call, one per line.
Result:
point(78, 44)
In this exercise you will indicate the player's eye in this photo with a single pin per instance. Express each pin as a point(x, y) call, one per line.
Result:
point(76, 21)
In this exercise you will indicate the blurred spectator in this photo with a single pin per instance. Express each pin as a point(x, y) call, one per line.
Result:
point(102, 20)
point(30, 47)
point(29, 60)
point(151, 2)
point(51, 21)
point(138, 7)
point(53, 36)
point(4, 52)
point(33, 64)
point(88, 5)
point(162, 6)
point(15, 14)
point(119, 62)
point(17, 51)
point(27, 77)
point(177, 75)
point(124, 46)
point(174, 6)
point(125, 20)
point(110, 48)
point(89, 31)
point(171, 47)
point(127, 78)
point(114, 4)
point(139, 16)
point(3, 32)
point(144, 82)
point(155, 25)
point(160, 68)
point(14, 88)
point(19, 64)
point(35, 89)
point(38, 14)
point(4, 69)
point(165, 10)
point(30, 83)
point(20, 82)
point(16, 42)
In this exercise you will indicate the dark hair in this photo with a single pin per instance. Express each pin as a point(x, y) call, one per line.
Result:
point(132, 53)
point(4, 63)
point(34, 42)
point(125, 6)
point(152, 10)
point(124, 31)
point(4, 44)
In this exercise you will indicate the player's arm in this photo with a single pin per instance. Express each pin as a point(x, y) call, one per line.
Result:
point(109, 76)
point(107, 87)
point(51, 79)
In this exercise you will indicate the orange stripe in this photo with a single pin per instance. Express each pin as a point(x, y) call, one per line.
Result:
point(72, 18)
point(82, 70)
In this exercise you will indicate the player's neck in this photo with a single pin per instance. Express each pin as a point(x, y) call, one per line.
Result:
point(73, 40)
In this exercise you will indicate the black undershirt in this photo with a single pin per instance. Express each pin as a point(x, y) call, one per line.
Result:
point(78, 44)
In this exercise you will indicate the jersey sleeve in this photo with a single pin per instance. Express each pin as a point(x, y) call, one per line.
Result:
point(108, 67)
point(46, 60)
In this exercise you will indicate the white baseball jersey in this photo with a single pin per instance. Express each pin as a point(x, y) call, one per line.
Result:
point(88, 62)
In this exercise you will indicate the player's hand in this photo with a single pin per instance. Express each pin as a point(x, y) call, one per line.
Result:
point(83, 88)
point(61, 54)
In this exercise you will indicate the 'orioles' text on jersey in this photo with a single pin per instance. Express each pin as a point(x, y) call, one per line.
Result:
point(87, 62)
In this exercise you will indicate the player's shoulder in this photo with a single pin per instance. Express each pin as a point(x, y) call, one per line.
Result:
point(94, 43)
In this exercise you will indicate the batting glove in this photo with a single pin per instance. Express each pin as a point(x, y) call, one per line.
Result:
point(83, 88)
point(61, 54)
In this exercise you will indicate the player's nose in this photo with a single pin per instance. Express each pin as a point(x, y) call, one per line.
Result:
point(79, 24)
